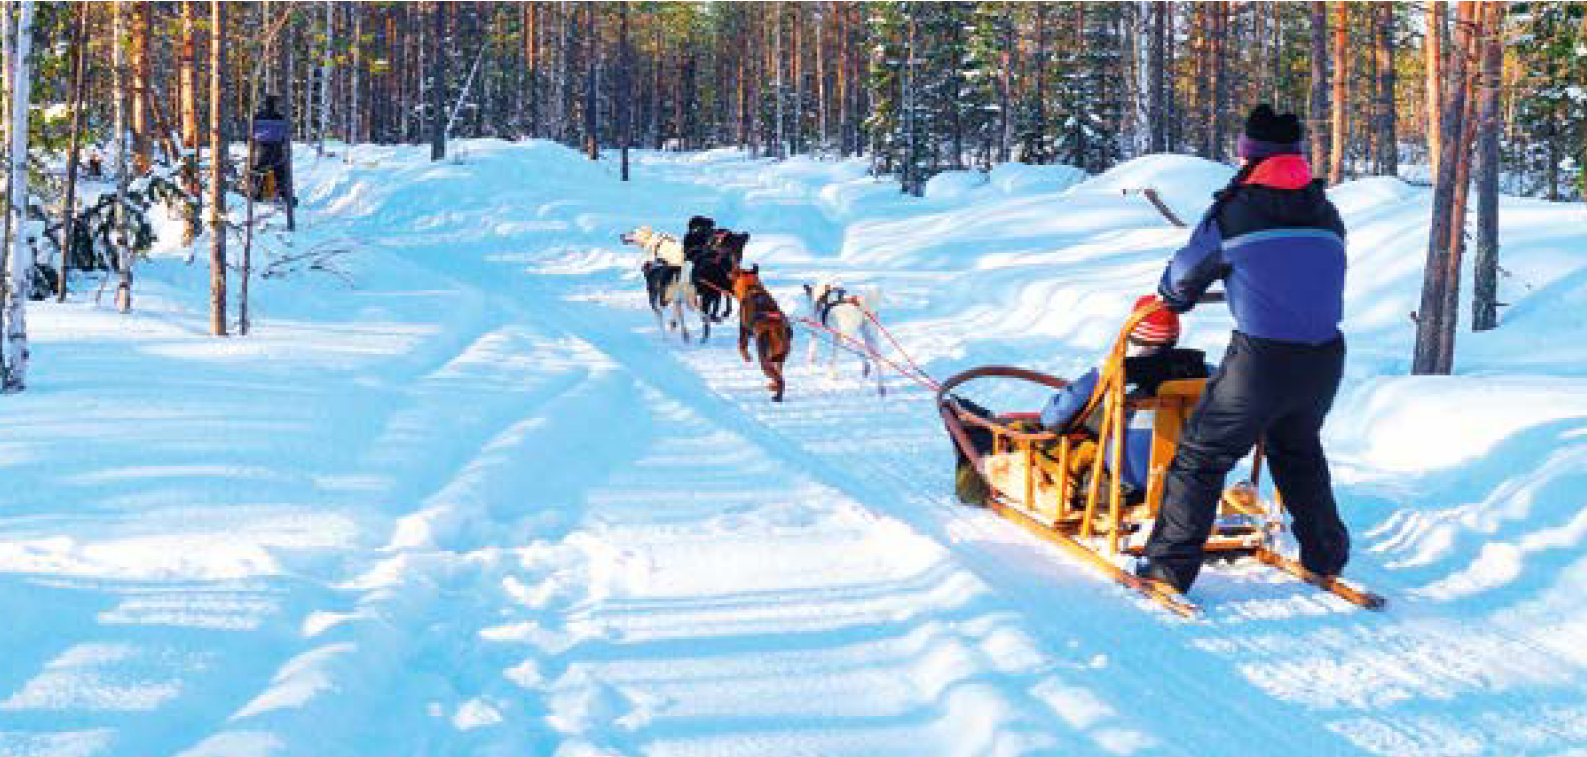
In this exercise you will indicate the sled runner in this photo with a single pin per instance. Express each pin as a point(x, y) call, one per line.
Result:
point(1062, 487)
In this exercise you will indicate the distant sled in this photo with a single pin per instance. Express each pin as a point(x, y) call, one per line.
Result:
point(1060, 486)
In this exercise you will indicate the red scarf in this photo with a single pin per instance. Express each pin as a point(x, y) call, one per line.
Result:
point(1282, 172)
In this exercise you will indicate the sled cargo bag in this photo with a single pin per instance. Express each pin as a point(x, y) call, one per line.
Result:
point(968, 484)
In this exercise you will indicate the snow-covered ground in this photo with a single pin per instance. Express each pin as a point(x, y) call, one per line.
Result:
point(462, 497)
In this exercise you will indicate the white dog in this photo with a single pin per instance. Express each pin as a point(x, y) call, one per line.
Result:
point(669, 275)
point(850, 315)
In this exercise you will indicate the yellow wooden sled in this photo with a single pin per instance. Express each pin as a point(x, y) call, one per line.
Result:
point(1059, 486)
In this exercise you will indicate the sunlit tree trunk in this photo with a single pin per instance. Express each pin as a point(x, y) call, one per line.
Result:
point(74, 152)
point(187, 74)
point(142, 87)
point(1437, 12)
point(1437, 316)
point(1338, 138)
point(217, 162)
point(123, 237)
point(1386, 131)
point(1485, 265)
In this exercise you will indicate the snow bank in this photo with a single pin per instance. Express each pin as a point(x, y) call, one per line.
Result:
point(1185, 183)
point(1023, 178)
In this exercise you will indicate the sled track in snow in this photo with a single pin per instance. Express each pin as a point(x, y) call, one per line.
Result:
point(844, 435)
point(1010, 565)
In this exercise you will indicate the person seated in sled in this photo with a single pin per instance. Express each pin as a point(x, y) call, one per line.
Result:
point(1152, 359)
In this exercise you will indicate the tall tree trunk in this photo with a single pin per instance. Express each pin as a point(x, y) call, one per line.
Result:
point(143, 82)
point(1220, 78)
point(74, 151)
point(14, 368)
point(438, 83)
point(217, 175)
point(532, 51)
point(1201, 76)
point(1318, 117)
point(1388, 140)
point(1473, 22)
point(325, 76)
point(1485, 266)
point(1338, 137)
point(354, 108)
point(1158, 112)
point(123, 238)
point(1173, 132)
point(565, 124)
point(778, 12)
point(625, 107)
point(1435, 321)
point(822, 14)
point(187, 73)
point(655, 90)
point(1433, 48)
point(592, 136)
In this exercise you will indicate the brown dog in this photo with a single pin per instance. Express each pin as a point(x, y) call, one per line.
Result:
point(760, 316)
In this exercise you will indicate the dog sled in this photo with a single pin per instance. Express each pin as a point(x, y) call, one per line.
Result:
point(1060, 486)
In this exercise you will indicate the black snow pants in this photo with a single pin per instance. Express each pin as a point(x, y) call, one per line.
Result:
point(1277, 392)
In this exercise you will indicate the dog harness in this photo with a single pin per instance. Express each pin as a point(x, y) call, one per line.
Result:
point(830, 299)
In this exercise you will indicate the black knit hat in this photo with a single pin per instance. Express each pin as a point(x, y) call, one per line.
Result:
point(1268, 133)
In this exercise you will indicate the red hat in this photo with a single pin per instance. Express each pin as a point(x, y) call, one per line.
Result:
point(1161, 327)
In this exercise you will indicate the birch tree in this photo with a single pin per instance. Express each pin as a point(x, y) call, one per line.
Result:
point(121, 137)
point(13, 371)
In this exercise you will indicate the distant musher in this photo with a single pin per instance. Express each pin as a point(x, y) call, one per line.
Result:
point(272, 159)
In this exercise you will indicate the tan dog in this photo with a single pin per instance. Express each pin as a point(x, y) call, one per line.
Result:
point(759, 316)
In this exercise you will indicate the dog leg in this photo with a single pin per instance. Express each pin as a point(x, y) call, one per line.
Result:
point(870, 343)
point(743, 342)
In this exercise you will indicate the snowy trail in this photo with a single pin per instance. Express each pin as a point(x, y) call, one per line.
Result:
point(480, 506)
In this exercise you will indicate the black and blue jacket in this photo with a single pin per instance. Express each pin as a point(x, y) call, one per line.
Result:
point(1280, 252)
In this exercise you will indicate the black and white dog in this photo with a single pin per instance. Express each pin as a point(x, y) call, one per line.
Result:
point(669, 276)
